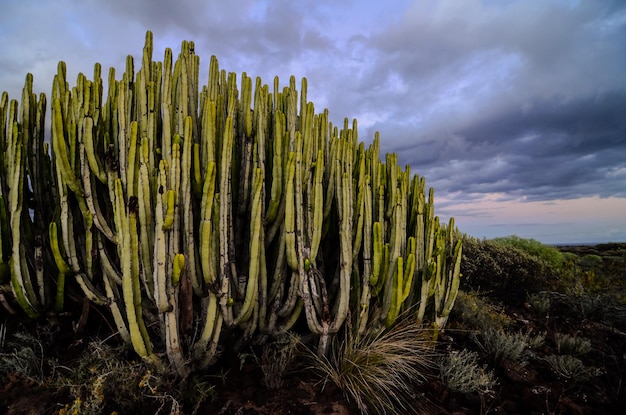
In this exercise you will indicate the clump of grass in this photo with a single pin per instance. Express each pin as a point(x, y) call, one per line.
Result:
point(276, 358)
point(514, 347)
point(461, 372)
point(572, 345)
point(379, 371)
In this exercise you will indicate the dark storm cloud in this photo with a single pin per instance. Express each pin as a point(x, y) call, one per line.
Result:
point(575, 128)
point(526, 99)
point(548, 150)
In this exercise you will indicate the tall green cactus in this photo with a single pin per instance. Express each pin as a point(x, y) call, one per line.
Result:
point(217, 205)
point(25, 181)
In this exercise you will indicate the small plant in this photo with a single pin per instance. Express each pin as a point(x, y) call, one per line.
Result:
point(24, 356)
point(540, 302)
point(515, 347)
point(379, 371)
point(572, 345)
point(276, 358)
point(569, 368)
point(461, 372)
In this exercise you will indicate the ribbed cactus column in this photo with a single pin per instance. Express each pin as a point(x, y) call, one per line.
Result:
point(448, 273)
point(23, 287)
point(25, 181)
point(180, 207)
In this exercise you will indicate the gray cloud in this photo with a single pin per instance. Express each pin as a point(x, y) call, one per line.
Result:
point(527, 99)
point(552, 150)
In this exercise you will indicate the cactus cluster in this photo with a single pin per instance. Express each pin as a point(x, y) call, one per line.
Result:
point(230, 205)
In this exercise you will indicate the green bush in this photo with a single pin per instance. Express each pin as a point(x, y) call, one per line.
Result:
point(502, 271)
point(551, 255)
point(590, 261)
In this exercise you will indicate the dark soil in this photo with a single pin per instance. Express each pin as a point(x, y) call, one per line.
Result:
point(246, 394)
point(532, 388)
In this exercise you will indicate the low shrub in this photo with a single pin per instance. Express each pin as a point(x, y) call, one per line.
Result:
point(471, 311)
point(276, 357)
point(103, 380)
point(502, 271)
point(608, 308)
point(571, 345)
point(461, 372)
point(569, 368)
point(590, 261)
point(540, 302)
point(23, 356)
point(515, 347)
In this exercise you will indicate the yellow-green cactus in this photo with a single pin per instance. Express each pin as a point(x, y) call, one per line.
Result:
point(223, 204)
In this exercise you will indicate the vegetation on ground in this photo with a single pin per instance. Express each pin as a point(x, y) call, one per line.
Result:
point(559, 350)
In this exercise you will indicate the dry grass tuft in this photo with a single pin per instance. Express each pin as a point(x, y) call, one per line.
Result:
point(379, 371)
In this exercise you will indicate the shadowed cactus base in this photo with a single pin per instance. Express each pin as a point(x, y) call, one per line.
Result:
point(233, 205)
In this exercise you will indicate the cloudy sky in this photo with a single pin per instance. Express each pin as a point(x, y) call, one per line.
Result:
point(513, 110)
